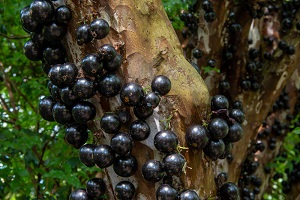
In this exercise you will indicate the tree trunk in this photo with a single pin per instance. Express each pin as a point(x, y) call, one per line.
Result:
point(144, 36)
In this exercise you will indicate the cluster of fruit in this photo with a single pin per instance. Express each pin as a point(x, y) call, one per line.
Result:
point(209, 14)
point(47, 27)
point(223, 130)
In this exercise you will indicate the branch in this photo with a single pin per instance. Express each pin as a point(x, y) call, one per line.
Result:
point(14, 37)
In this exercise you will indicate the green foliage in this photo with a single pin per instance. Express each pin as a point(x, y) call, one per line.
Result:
point(173, 9)
point(282, 164)
point(35, 161)
point(208, 69)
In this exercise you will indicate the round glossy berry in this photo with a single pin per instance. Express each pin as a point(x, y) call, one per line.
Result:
point(53, 32)
point(39, 40)
point(63, 15)
point(79, 194)
point(237, 115)
point(152, 99)
point(83, 112)
point(125, 166)
point(41, 11)
point(211, 63)
point(143, 111)
point(218, 128)
point(229, 191)
point(166, 192)
point(110, 123)
point(153, 171)
point(219, 102)
point(196, 136)
point(68, 73)
point(114, 64)
point(54, 75)
point(55, 92)
point(109, 85)
point(173, 164)
point(235, 133)
point(103, 156)
point(210, 16)
point(124, 190)
point(139, 130)
point(83, 34)
point(32, 52)
point(83, 88)
point(166, 141)
point(124, 116)
point(86, 154)
point(107, 52)
point(188, 195)
point(161, 85)
point(54, 55)
point(290, 50)
point(282, 45)
point(92, 65)
point(214, 149)
point(121, 143)
point(45, 108)
point(132, 94)
point(99, 28)
point(67, 96)
point(76, 135)
point(224, 86)
point(28, 23)
point(95, 187)
point(197, 53)
point(207, 6)
point(237, 105)
point(62, 114)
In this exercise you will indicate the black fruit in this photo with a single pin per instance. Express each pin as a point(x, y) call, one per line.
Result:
point(41, 11)
point(63, 75)
point(166, 141)
point(173, 164)
point(143, 111)
point(32, 52)
point(76, 135)
point(104, 156)
point(166, 192)
point(124, 116)
point(39, 40)
point(218, 128)
point(153, 171)
point(197, 53)
point(99, 28)
point(124, 190)
point(161, 85)
point(54, 55)
point(207, 6)
point(83, 34)
point(139, 130)
point(86, 154)
point(188, 195)
point(196, 136)
point(113, 65)
point(79, 194)
point(132, 94)
point(95, 187)
point(219, 102)
point(62, 114)
point(54, 91)
point(92, 65)
point(28, 23)
point(45, 108)
point(53, 32)
point(235, 133)
point(152, 99)
point(110, 123)
point(224, 86)
point(209, 16)
point(109, 85)
point(107, 52)
point(83, 112)
point(67, 96)
point(83, 88)
point(125, 166)
point(121, 143)
point(229, 191)
point(214, 149)
point(63, 15)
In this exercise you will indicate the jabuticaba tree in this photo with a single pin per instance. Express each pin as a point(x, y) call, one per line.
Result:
point(242, 71)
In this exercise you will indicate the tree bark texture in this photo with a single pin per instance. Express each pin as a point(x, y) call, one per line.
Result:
point(142, 33)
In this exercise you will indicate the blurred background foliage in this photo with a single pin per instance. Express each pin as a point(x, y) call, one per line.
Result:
point(35, 161)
